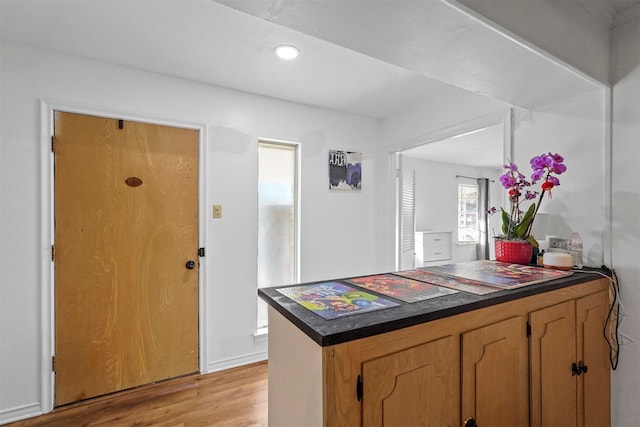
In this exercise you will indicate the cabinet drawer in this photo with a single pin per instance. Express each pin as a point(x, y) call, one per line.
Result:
point(433, 246)
point(437, 239)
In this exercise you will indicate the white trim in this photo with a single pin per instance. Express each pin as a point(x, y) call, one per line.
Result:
point(202, 265)
point(498, 117)
point(20, 413)
point(261, 334)
point(47, 307)
point(394, 170)
point(298, 197)
point(464, 127)
point(47, 302)
point(607, 257)
point(234, 362)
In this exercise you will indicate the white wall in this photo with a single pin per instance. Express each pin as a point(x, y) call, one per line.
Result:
point(443, 115)
point(442, 111)
point(625, 78)
point(235, 120)
point(337, 228)
point(436, 201)
point(574, 129)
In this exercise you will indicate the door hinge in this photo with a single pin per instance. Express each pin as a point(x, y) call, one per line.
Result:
point(528, 329)
point(53, 363)
point(53, 253)
point(359, 388)
point(201, 252)
point(120, 124)
point(53, 143)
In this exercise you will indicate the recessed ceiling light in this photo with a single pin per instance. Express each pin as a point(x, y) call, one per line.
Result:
point(287, 51)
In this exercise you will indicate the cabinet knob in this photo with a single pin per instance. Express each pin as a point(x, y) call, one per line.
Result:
point(583, 368)
point(470, 422)
point(575, 370)
point(579, 369)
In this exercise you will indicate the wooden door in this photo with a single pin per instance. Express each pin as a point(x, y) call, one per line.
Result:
point(126, 224)
point(495, 389)
point(553, 352)
point(594, 401)
point(415, 387)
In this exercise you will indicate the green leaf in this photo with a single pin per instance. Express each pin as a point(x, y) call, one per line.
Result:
point(533, 241)
point(521, 229)
point(506, 222)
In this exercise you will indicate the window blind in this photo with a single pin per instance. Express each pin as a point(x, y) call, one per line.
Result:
point(408, 208)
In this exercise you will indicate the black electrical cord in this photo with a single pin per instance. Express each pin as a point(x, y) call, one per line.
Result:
point(614, 347)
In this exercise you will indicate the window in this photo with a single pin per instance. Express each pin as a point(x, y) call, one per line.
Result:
point(468, 213)
point(277, 217)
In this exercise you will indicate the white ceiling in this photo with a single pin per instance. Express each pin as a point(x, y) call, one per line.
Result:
point(480, 148)
point(348, 48)
point(441, 39)
point(612, 12)
point(208, 42)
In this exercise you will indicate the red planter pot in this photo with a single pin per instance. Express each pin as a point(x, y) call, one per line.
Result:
point(513, 251)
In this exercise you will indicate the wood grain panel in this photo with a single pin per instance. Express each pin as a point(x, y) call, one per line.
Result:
point(341, 367)
point(553, 387)
point(384, 344)
point(126, 306)
point(495, 386)
point(415, 387)
point(594, 404)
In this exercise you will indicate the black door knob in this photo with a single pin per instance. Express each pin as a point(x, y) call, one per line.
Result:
point(470, 422)
point(190, 265)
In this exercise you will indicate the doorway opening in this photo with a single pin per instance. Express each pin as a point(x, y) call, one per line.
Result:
point(460, 156)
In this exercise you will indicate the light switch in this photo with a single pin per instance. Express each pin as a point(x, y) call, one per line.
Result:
point(217, 211)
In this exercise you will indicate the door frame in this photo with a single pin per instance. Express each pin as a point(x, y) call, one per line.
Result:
point(504, 117)
point(47, 278)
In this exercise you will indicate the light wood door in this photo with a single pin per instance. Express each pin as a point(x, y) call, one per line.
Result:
point(126, 224)
point(494, 374)
point(594, 400)
point(415, 387)
point(553, 352)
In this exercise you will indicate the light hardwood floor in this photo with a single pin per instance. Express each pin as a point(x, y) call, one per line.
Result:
point(232, 398)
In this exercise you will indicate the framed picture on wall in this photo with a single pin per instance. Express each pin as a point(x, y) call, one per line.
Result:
point(345, 170)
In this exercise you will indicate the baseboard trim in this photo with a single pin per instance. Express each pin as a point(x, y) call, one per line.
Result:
point(234, 362)
point(20, 413)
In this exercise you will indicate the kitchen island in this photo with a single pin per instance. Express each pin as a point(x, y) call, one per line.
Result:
point(533, 355)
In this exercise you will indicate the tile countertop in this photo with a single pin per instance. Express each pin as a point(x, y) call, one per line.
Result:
point(349, 328)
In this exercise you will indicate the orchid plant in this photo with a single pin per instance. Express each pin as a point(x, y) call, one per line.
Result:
point(517, 223)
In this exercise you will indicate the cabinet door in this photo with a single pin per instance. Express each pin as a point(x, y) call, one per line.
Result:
point(593, 386)
point(495, 388)
point(414, 387)
point(553, 351)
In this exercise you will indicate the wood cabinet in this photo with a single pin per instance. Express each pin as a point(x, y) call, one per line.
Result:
point(494, 374)
point(422, 385)
point(414, 387)
point(569, 364)
point(478, 364)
